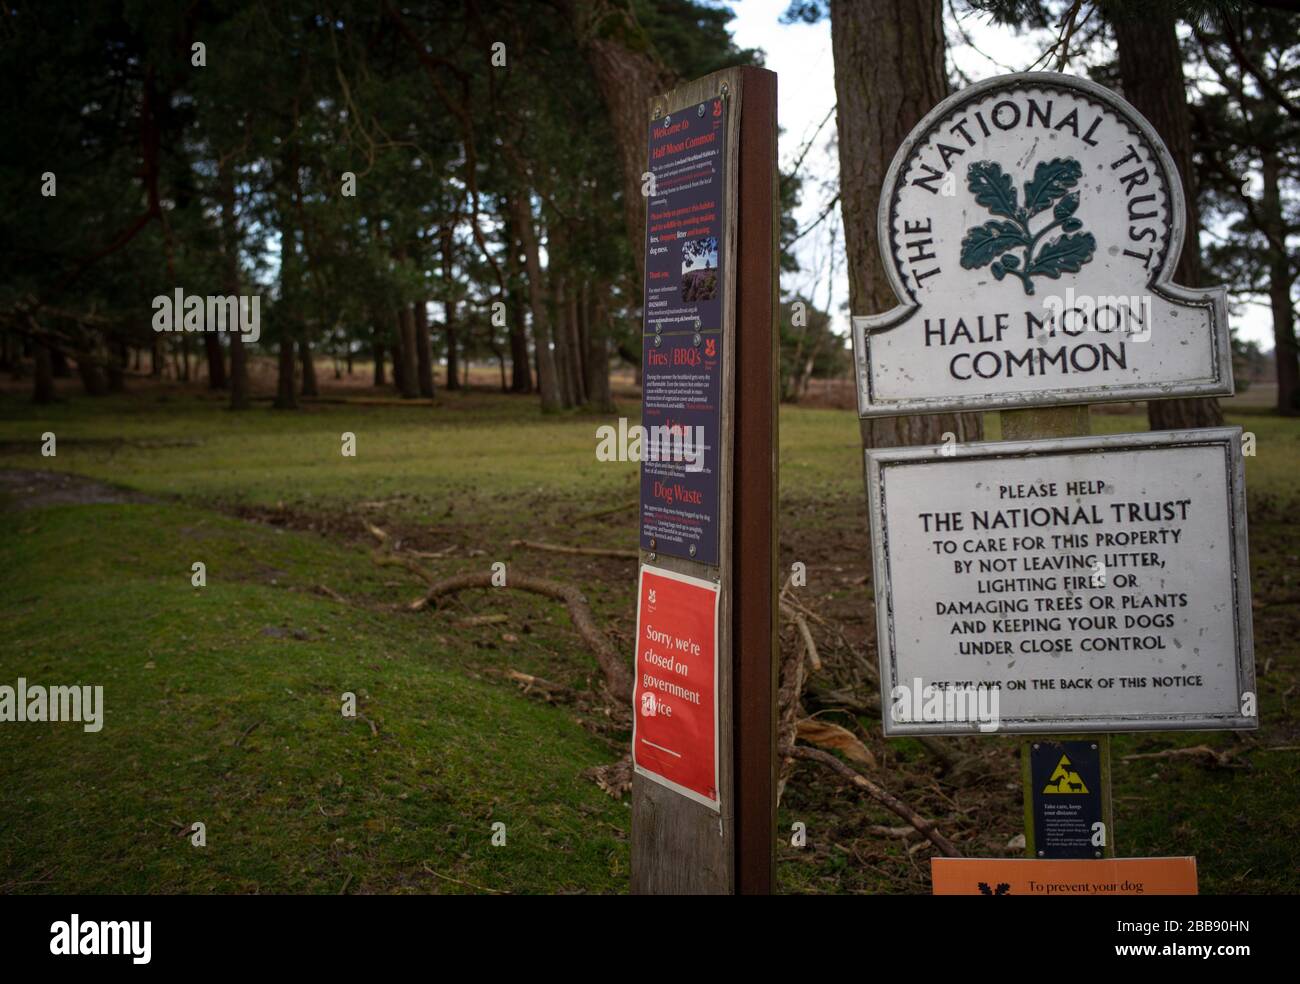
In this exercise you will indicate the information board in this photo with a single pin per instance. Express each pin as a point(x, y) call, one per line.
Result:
point(681, 351)
point(1078, 584)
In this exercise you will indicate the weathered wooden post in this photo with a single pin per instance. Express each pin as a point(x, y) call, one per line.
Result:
point(703, 793)
point(1052, 583)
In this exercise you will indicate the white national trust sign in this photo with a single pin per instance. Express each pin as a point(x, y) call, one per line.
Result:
point(1030, 226)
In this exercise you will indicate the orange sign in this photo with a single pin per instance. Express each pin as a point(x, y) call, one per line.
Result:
point(1026, 876)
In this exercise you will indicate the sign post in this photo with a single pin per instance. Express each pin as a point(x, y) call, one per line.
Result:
point(704, 756)
point(1052, 583)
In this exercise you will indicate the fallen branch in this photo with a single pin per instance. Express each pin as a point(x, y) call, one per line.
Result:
point(385, 555)
point(601, 514)
point(531, 682)
point(1223, 759)
point(789, 708)
point(331, 593)
point(581, 551)
point(618, 677)
point(805, 633)
point(473, 620)
point(879, 794)
point(439, 874)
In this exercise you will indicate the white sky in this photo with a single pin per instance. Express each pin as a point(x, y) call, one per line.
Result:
point(800, 54)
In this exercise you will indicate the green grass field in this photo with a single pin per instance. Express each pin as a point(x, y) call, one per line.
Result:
point(223, 702)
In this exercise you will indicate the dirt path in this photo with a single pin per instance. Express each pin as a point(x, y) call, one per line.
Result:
point(23, 489)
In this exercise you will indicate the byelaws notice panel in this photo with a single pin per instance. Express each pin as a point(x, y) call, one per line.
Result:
point(1030, 225)
point(1026, 876)
point(675, 725)
point(1080, 584)
point(681, 407)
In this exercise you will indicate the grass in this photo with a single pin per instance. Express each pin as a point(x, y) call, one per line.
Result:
point(223, 703)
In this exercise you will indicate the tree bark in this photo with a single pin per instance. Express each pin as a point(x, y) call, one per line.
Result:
point(285, 397)
point(240, 398)
point(407, 384)
point(1151, 72)
point(309, 387)
point(889, 72)
point(423, 350)
point(560, 333)
point(449, 309)
point(546, 377)
point(577, 365)
point(598, 356)
point(377, 353)
point(1280, 276)
point(521, 373)
point(216, 361)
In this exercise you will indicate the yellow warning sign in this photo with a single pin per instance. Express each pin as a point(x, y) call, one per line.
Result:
point(1065, 779)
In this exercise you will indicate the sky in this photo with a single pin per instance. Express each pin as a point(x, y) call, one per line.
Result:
point(800, 54)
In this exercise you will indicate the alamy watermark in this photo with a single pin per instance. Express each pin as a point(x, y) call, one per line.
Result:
point(680, 443)
point(74, 938)
point(1073, 314)
point(927, 703)
point(229, 313)
point(38, 703)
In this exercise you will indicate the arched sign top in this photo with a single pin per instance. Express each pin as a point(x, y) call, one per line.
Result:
point(1029, 226)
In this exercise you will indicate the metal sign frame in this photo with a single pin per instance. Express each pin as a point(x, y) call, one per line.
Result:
point(1213, 299)
point(881, 461)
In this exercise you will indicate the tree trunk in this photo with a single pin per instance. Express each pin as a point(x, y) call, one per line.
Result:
point(521, 373)
point(423, 351)
point(377, 350)
point(1279, 291)
point(92, 380)
point(59, 363)
point(563, 359)
point(43, 391)
point(409, 385)
point(598, 356)
point(285, 397)
point(546, 378)
point(309, 387)
point(576, 366)
point(240, 398)
point(628, 72)
point(1151, 72)
point(216, 361)
point(889, 72)
point(449, 312)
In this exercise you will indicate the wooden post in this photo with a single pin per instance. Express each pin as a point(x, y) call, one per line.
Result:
point(1025, 425)
point(680, 846)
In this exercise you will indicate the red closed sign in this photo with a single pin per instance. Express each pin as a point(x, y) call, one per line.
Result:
point(675, 714)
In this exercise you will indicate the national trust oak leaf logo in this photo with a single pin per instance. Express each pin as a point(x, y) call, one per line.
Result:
point(997, 240)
